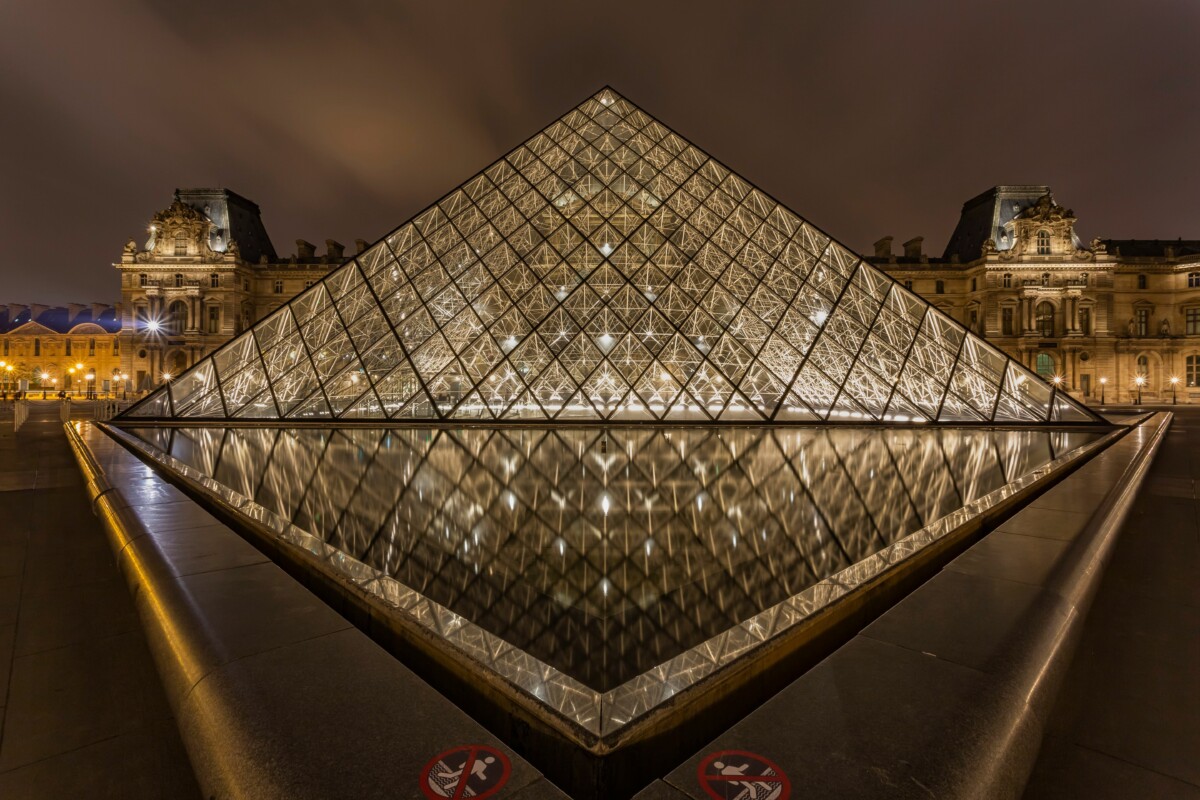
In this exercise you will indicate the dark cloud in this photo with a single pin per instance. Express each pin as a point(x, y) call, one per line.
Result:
point(343, 119)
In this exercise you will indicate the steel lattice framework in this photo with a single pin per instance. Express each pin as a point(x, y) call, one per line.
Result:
point(607, 269)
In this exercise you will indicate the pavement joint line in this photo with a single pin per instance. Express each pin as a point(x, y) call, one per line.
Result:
point(53, 756)
point(1134, 764)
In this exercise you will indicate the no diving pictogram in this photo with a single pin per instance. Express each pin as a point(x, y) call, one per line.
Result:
point(473, 770)
point(741, 775)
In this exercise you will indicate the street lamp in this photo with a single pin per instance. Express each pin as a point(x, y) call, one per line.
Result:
point(1103, 381)
point(166, 376)
point(124, 386)
point(91, 385)
point(45, 376)
point(1174, 384)
point(8, 368)
point(70, 374)
point(1140, 380)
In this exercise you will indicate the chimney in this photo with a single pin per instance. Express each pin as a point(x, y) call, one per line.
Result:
point(333, 250)
point(883, 248)
point(362, 245)
point(912, 248)
point(1169, 252)
point(73, 312)
point(305, 249)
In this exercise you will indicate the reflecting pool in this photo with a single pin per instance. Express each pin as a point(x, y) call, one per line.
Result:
point(601, 552)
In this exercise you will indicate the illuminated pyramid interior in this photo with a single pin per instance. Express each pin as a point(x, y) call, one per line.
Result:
point(607, 269)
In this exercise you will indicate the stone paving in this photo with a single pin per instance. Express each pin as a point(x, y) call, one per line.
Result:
point(82, 711)
point(1127, 723)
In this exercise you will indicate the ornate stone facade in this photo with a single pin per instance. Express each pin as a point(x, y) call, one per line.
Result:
point(207, 272)
point(1097, 316)
point(46, 349)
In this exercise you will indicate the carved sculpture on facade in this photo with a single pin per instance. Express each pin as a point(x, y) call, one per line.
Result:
point(1164, 329)
point(178, 222)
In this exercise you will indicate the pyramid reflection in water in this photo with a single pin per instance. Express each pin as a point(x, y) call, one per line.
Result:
point(607, 269)
point(605, 551)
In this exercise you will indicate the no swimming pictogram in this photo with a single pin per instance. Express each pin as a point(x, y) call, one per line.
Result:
point(741, 775)
point(474, 770)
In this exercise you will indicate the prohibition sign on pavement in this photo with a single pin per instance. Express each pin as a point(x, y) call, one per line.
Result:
point(742, 775)
point(473, 770)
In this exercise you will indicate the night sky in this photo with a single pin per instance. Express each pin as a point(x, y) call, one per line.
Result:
point(342, 120)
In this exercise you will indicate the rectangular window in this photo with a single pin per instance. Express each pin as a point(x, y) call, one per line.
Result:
point(91, 348)
point(142, 279)
point(1085, 321)
point(908, 285)
point(939, 287)
point(116, 346)
point(6, 347)
point(68, 350)
point(1193, 280)
point(37, 347)
point(214, 281)
point(1193, 371)
point(1192, 322)
point(1085, 384)
point(1006, 321)
point(1143, 322)
point(278, 287)
point(1141, 281)
point(214, 319)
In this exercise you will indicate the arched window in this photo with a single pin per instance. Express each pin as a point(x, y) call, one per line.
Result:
point(176, 318)
point(1044, 364)
point(1043, 243)
point(1045, 279)
point(939, 287)
point(214, 281)
point(1045, 319)
point(1143, 369)
point(1193, 280)
point(1008, 280)
point(1192, 370)
point(181, 244)
point(178, 281)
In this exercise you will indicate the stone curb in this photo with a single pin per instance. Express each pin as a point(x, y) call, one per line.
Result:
point(948, 693)
point(275, 694)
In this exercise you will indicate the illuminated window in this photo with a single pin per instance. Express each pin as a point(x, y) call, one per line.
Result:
point(1141, 281)
point(1142, 315)
point(1043, 243)
point(1044, 363)
point(214, 319)
point(939, 287)
point(181, 244)
point(1008, 280)
point(1192, 373)
point(1192, 322)
point(1143, 369)
point(1006, 321)
point(1193, 280)
point(1045, 319)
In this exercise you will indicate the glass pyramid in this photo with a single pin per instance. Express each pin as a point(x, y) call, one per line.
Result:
point(607, 269)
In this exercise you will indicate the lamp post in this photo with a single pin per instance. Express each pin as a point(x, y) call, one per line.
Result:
point(8, 368)
point(124, 386)
point(91, 385)
point(1140, 380)
point(45, 376)
point(1174, 385)
point(70, 377)
point(1103, 381)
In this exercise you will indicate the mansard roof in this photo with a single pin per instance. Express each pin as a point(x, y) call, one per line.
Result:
point(609, 270)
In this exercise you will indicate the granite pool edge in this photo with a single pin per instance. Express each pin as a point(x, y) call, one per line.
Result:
point(925, 735)
point(249, 731)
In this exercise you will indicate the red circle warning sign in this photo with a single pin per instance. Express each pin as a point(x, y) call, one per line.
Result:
point(741, 775)
point(473, 770)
